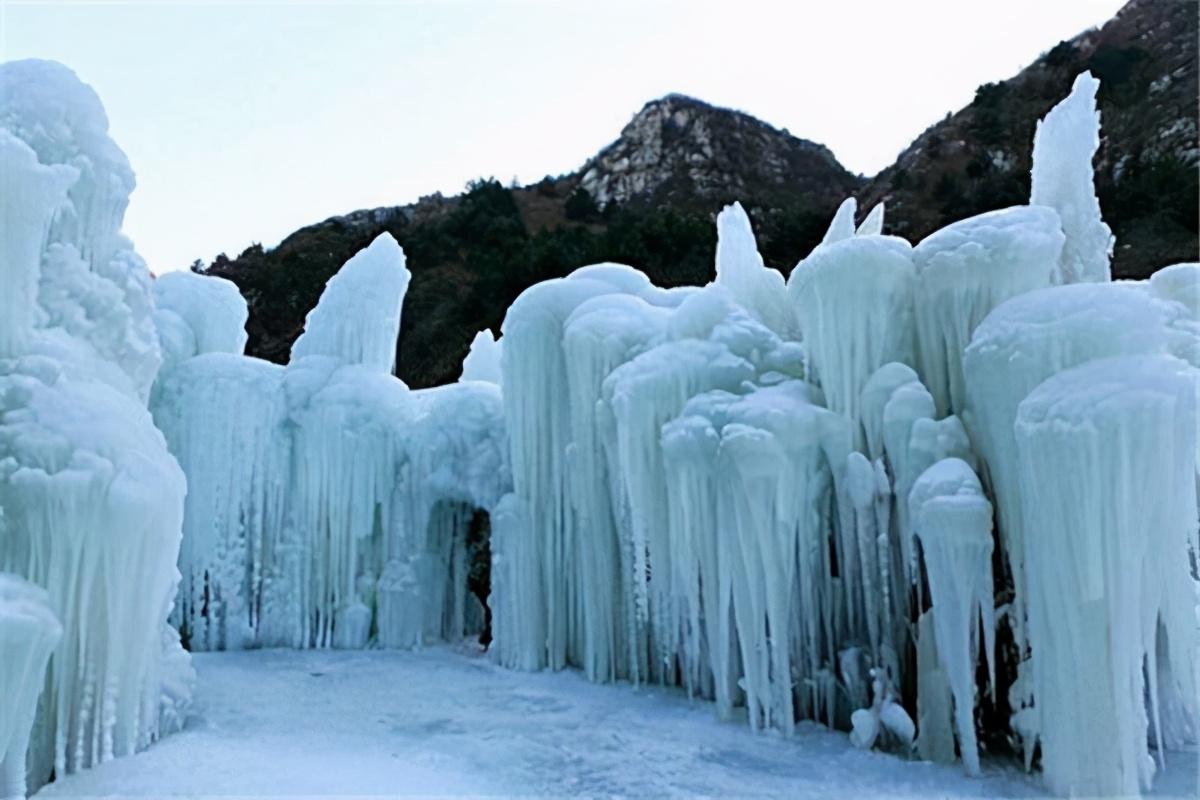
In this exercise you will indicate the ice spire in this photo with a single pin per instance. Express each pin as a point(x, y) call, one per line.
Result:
point(1066, 140)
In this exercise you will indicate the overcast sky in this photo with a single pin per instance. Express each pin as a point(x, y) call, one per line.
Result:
point(246, 121)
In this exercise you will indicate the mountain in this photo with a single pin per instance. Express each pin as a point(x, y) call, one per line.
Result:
point(1146, 170)
point(649, 198)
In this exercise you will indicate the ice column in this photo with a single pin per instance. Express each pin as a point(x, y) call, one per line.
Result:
point(1107, 453)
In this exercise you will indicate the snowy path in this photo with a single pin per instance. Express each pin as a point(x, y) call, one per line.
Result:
point(288, 723)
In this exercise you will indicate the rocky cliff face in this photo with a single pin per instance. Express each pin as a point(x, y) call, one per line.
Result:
point(681, 151)
point(650, 197)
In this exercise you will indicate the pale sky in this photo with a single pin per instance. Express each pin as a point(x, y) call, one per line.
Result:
point(245, 121)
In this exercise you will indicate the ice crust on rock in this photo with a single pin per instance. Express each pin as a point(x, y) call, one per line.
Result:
point(29, 632)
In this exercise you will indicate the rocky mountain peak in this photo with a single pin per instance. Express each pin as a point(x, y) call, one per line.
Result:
point(678, 147)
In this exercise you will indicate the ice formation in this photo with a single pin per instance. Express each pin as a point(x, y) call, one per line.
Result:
point(483, 359)
point(953, 520)
point(854, 298)
point(792, 512)
point(1107, 453)
point(333, 510)
point(783, 496)
point(964, 271)
point(91, 500)
point(1066, 140)
point(29, 631)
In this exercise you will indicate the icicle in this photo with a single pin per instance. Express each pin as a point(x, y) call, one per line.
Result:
point(953, 521)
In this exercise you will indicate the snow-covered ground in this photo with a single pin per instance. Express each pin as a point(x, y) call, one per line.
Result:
point(446, 721)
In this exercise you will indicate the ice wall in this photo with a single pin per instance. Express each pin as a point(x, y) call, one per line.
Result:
point(91, 502)
point(1020, 344)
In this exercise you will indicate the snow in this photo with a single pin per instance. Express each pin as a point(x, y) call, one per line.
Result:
point(29, 631)
point(331, 723)
point(1107, 455)
point(1064, 145)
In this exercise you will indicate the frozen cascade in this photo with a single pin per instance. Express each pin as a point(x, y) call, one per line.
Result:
point(233, 543)
point(91, 500)
point(1021, 343)
point(29, 632)
point(953, 521)
point(964, 271)
point(1107, 452)
point(1064, 145)
point(854, 298)
point(601, 334)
